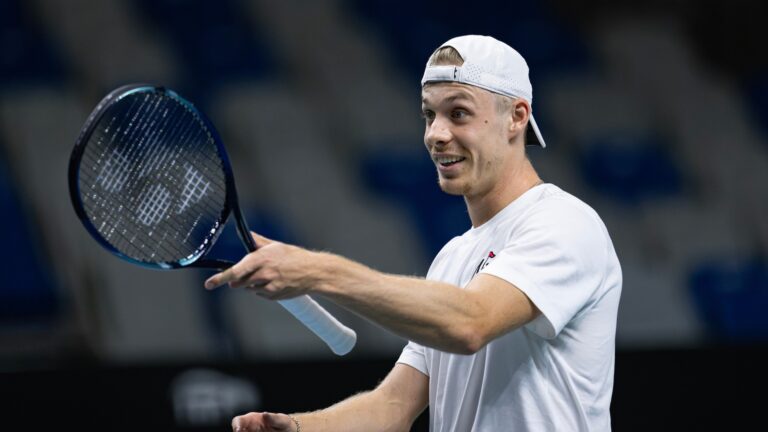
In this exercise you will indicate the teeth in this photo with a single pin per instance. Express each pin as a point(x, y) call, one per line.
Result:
point(449, 159)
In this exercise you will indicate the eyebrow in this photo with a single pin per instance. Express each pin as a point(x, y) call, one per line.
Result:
point(459, 95)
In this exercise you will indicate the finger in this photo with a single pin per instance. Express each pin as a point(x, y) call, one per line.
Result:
point(239, 424)
point(236, 273)
point(223, 278)
point(260, 240)
point(251, 422)
point(277, 291)
point(253, 280)
point(216, 280)
point(273, 291)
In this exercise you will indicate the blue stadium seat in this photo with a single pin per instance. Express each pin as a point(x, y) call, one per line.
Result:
point(417, 28)
point(409, 26)
point(732, 299)
point(27, 292)
point(411, 181)
point(213, 39)
point(630, 168)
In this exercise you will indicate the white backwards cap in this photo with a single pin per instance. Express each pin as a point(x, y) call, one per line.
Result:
point(491, 65)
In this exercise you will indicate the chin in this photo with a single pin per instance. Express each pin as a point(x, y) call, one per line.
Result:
point(452, 187)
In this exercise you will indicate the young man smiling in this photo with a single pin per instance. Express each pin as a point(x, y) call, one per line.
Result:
point(514, 326)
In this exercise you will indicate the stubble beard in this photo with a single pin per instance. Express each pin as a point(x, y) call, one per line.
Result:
point(461, 189)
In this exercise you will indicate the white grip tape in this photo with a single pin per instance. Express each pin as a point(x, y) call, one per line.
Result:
point(340, 338)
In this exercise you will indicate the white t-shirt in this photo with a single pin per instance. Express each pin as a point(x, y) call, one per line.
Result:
point(556, 372)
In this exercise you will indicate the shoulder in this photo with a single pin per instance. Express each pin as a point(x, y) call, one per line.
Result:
point(559, 210)
point(554, 198)
point(563, 221)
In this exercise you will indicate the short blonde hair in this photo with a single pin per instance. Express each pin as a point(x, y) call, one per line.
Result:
point(448, 56)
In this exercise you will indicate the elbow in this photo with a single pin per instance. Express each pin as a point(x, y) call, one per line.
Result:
point(469, 341)
point(473, 345)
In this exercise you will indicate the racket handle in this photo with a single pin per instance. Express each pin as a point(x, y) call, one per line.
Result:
point(340, 338)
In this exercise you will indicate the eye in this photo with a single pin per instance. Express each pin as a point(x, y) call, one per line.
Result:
point(459, 114)
point(428, 115)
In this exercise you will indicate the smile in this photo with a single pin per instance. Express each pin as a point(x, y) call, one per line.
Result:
point(448, 160)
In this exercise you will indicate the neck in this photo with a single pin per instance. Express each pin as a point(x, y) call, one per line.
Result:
point(483, 207)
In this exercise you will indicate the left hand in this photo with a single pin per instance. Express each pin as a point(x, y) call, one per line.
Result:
point(275, 270)
point(263, 422)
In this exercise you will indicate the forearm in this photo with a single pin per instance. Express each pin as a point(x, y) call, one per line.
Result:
point(364, 412)
point(433, 313)
point(391, 407)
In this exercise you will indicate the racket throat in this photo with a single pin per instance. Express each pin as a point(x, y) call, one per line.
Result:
point(242, 228)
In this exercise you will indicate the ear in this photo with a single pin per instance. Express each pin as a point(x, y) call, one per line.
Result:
point(519, 114)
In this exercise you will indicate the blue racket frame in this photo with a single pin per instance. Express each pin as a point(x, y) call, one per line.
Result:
point(231, 201)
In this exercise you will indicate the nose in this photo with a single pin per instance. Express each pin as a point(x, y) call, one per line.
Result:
point(437, 133)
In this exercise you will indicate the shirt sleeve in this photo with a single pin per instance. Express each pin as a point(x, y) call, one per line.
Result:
point(413, 355)
point(556, 258)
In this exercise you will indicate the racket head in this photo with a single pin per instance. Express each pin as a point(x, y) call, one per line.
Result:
point(150, 179)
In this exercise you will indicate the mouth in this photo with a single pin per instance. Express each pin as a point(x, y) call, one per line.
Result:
point(447, 161)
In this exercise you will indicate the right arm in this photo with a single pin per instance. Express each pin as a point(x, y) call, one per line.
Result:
point(391, 407)
point(431, 313)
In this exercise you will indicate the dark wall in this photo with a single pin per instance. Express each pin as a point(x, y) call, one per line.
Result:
point(687, 390)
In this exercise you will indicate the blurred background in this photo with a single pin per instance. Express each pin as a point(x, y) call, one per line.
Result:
point(655, 115)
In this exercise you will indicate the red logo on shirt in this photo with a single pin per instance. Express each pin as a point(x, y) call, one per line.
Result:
point(484, 262)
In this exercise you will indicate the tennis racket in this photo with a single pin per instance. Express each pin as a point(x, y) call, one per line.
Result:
point(151, 181)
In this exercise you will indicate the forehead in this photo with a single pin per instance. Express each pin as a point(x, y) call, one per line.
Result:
point(445, 92)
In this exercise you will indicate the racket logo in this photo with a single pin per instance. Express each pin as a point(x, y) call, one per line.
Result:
point(114, 172)
point(154, 205)
point(194, 189)
point(156, 201)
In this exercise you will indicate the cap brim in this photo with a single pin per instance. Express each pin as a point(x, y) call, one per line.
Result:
point(533, 135)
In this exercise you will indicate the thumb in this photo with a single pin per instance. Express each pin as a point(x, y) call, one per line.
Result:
point(260, 240)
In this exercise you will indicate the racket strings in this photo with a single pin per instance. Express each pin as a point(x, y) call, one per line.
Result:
point(131, 242)
point(117, 217)
point(151, 207)
point(152, 179)
point(154, 203)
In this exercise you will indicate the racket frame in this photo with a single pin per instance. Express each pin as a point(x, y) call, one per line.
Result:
point(231, 204)
point(338, 337)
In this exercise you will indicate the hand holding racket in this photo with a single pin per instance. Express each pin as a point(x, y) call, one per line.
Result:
point(275, 271)
point(151, 181)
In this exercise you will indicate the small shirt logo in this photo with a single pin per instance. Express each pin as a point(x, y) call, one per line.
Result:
point(484, 262)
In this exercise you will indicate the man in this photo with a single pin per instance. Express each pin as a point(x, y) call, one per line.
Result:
point(514, 326)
